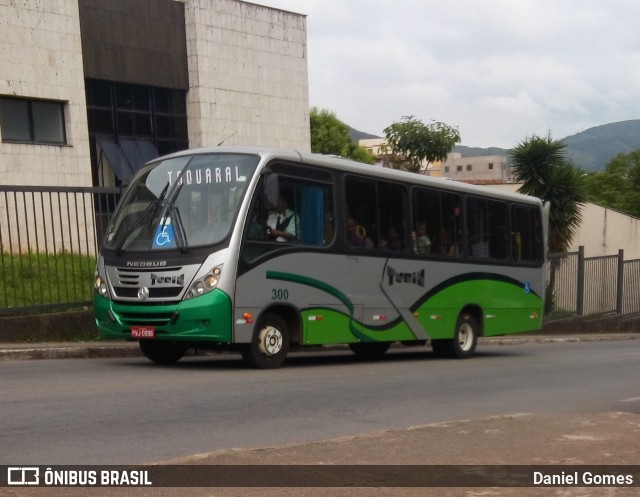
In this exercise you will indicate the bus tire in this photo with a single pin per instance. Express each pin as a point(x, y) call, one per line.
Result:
point(162, 352)
point(464, 341)
point(270, 344)
point(369, 349)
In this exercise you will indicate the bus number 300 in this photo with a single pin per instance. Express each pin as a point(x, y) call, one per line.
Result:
point(279, 294)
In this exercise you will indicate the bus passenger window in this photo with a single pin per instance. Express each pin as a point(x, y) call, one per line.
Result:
point(525, 236)
point(376, 215)
point(487, 229)
point(437, 214)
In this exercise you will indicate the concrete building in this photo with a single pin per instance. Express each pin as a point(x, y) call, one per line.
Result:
point(91, 89)
point(487, 170)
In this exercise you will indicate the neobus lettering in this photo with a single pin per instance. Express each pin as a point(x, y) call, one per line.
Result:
point(207, 176)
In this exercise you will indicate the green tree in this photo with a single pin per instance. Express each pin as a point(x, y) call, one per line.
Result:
point(541, 166)
point(618, 186)
point(412, 142)
point(330, 136)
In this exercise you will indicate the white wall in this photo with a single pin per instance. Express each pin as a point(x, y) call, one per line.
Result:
point(41, 57)
point(247, 75)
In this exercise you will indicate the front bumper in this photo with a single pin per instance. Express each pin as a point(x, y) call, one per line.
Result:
point(204, 318)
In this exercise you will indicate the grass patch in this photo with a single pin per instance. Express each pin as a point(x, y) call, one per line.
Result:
point(45, 279)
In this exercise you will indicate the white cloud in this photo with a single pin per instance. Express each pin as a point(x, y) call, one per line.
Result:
point(500, 70)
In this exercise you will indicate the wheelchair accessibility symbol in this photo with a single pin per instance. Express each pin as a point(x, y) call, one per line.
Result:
point(164, 237)
point(527, 288)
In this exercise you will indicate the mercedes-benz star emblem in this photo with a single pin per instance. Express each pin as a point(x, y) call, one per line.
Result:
point(143, 293)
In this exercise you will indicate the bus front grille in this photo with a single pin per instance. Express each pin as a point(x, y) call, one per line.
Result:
point(130, 318)
point(154, 293)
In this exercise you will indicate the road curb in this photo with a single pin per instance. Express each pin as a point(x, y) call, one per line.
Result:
point(67, 351)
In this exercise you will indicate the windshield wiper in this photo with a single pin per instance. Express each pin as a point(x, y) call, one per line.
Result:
point(182, 238)
point(151, 208)
point(170, 209)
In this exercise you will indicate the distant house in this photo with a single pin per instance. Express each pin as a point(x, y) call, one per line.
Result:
point(480, 170)
point(380, 148)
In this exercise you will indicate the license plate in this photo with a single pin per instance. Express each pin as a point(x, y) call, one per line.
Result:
point(143, 332)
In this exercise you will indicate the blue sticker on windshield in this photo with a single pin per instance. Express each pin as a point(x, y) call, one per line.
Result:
point(165, 236)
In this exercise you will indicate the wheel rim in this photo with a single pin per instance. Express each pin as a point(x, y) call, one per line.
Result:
point(465, 336)
point(270, 340)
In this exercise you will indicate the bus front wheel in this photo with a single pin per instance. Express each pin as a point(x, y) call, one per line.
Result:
point(162, 352)
point(464, 341)
point(270, 344)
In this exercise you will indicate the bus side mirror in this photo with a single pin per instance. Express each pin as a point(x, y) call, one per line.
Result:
point(271, 190)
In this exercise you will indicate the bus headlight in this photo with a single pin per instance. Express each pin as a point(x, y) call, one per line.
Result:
point(210, 281)
point(205, 284)
point(100, 286)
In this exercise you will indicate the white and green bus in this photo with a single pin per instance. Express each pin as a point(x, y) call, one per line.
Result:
point(260, 250)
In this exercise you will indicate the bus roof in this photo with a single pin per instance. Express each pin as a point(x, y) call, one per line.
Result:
point(350, 166)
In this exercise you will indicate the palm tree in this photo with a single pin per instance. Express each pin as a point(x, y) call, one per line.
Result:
point(540, 165)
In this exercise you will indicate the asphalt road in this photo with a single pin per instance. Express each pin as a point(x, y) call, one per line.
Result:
point(127, 410)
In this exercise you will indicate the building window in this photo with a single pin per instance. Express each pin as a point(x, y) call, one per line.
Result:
point(446, 169)
point(121, 110)
point(459, 168)
point(469, 167)
point(32, 121)
point(490, 165)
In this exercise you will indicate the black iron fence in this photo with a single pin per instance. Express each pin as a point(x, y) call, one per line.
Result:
point(49, 238)
point(592, 286)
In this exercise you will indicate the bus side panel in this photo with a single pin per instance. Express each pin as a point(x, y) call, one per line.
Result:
point(339, 297)
point(344, 299)
point(323, 325)
point(506, 308)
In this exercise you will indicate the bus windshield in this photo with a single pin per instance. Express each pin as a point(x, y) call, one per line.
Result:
point(181, 202)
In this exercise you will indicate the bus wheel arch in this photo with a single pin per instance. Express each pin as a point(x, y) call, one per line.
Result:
point(465, 336)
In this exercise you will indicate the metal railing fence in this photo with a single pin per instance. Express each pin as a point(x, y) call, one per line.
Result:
point(592, 286)
point(49, 238)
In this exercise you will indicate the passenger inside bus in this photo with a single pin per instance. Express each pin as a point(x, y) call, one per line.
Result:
point(357, 235)
point(393, 240)
point(420, 239)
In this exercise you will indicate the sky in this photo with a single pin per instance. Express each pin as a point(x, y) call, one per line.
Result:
point(499, 71)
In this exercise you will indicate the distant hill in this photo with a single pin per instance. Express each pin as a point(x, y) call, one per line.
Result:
point(360, 135)
point(591, 149)
point(479, 152)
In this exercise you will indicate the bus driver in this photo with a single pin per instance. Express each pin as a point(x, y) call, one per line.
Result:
point(282, 222)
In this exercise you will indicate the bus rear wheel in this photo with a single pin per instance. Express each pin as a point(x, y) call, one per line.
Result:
point(464, 341)
point(270, 344)
point(162, 352)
